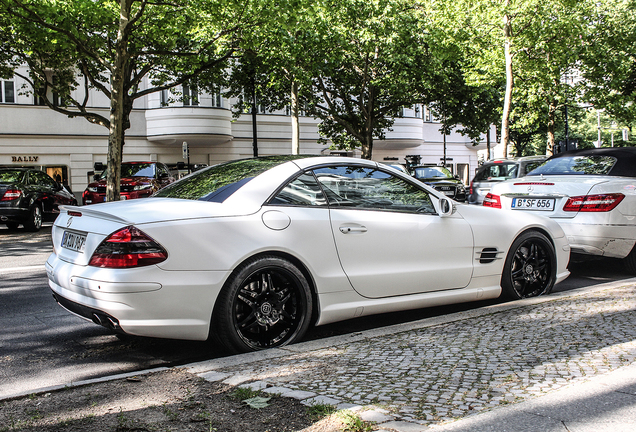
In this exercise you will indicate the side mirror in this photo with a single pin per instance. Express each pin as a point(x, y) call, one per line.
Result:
point(446, 207)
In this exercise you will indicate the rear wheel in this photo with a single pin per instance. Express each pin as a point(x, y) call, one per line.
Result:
point(34, 223)
point(630, 261)
point(266, 303)
point(530, 268)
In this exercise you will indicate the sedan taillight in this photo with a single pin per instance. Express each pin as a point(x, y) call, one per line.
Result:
point(593, 203)
point(128, 247)
point(11, 194)
point(492, 201)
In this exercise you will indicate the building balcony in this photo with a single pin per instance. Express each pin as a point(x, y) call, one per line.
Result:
point(196, 125)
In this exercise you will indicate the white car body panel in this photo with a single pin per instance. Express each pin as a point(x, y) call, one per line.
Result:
point(610, 234)
point(207, 241)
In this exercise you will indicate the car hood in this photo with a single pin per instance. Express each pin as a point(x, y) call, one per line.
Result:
point(124, 181)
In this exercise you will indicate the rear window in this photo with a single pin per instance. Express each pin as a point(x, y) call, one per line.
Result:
point(577, 165)
point(11, 176)
point(497, 172)
point(218, 182)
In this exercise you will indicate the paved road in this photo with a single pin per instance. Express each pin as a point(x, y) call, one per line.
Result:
point(42, 345)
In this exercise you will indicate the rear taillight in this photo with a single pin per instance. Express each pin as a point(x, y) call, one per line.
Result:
point(11, 194)
point(593, 203)
point(492, 201)
point(128, 247)
point(471, 188)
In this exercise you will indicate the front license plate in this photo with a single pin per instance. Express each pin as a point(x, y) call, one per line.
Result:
point(73, 241)
point(544, 204)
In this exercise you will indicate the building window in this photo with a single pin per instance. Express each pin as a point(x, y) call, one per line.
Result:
point(217, 100)
point(463, 172)
point(190, 95)
point(164, 97)
point(8, 92)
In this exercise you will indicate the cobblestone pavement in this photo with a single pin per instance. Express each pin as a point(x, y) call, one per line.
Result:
point(435, 372)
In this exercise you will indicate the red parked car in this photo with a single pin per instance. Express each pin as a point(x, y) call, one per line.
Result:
point(138, 180)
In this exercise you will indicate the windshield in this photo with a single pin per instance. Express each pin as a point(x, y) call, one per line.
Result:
point(432, 172)
point(218, 182)
point(135, 170)
point(497, 172)
point(576, 165)
point(11, 176)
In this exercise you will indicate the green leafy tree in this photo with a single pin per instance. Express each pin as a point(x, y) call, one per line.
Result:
point(609, 61)
point(124, 49)
point(373, 58)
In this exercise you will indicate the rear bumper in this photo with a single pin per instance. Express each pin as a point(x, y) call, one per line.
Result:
point(613, 241)
point(177, 305)
point(13, 214)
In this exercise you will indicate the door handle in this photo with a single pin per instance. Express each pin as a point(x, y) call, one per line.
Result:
point(356, 229)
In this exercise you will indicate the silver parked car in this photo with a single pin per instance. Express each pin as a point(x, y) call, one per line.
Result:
point(498, 170)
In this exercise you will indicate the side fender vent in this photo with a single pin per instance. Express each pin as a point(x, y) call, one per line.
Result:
point(488, 255)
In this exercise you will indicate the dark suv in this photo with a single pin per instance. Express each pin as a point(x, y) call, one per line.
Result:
point(497, 170)
point(138, 180)
point(441, 179)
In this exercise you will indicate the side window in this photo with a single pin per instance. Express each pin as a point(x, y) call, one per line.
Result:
point(372, 189)
point(302, 191)
point(43, 179)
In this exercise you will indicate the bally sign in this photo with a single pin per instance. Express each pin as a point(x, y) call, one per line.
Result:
point(24, 158)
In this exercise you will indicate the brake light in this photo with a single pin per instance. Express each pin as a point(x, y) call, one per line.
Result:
point(11, 194)
point(471, 188)
point(593, 203)
point(492, 201)
point(128, 247)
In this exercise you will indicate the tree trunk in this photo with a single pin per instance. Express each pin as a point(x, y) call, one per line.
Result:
point(505, 118)
point(549, 149)
point(118, 115)
point(295, 126)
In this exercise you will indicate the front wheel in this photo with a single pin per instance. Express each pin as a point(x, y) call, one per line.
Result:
point(530, 267)
point(266, 303)
point(34, 223)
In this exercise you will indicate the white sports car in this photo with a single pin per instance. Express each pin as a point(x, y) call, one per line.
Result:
point(250, 253)
point(590, 193)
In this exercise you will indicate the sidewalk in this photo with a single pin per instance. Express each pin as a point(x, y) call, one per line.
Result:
point(565, 362)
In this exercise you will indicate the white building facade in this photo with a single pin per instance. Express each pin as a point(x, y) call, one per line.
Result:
point(67, 148)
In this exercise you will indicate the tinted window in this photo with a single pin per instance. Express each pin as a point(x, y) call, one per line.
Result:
point(577, 165)
point(38, 177)
point(372, 189)
point(216, 183)
point(11, 176)
point(302, 191)
point(432, 172)
point(496, 172)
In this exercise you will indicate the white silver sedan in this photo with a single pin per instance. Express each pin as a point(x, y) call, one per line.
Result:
point(250, 253)
point(590, 193)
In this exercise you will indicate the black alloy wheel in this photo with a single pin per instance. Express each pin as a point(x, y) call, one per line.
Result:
point(267, 303)
point(530, 268)
point(34, 223)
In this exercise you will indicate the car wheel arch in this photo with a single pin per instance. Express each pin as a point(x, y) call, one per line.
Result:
point(293, 260)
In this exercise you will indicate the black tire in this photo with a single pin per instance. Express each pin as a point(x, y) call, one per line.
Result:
point(630, 261)
point(530, 267)
point(12, 225)
point(266, 303)
point(34, 223)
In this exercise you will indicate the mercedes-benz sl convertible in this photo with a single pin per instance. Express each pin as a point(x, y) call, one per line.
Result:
point(250, 253)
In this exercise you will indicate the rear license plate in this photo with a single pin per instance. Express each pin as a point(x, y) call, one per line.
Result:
point(73, 241)
point(544, 204)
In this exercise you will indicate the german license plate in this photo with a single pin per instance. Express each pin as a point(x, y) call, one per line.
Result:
point(74, 241)
point(544, 204)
